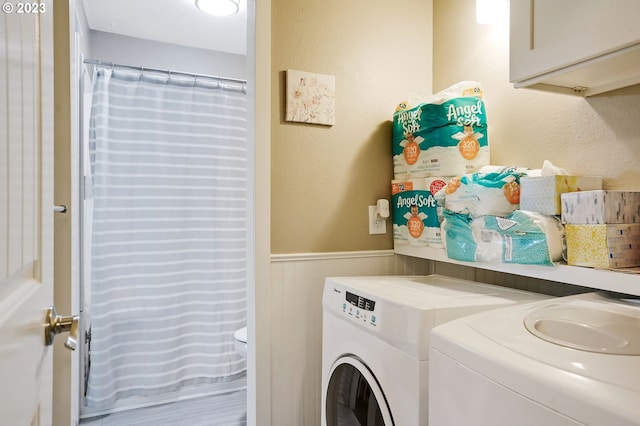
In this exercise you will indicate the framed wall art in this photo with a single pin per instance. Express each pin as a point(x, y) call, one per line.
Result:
point(310, 97)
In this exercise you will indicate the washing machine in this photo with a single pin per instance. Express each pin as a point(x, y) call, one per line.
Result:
point(573, 360)
point(375, 353)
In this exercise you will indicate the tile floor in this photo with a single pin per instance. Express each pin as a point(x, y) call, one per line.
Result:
point(220, 410)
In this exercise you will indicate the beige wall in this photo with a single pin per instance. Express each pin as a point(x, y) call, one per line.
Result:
point(323, 178)
point(311, 179)
point(594, 136)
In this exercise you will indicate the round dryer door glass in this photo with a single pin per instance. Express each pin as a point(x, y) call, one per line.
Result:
point(353, 396)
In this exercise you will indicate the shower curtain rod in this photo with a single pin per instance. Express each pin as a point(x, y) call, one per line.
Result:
point(170, 72)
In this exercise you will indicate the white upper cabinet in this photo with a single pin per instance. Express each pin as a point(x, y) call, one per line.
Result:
point(584, 47)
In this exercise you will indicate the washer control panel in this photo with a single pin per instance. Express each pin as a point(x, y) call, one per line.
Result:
point(360, 308)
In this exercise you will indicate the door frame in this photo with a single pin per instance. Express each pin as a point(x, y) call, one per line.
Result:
point(259, 403)
point(66, 239)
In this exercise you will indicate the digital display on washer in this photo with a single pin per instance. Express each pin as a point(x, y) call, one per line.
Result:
point(360, 302)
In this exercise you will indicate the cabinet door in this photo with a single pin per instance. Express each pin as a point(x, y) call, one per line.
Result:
point(549, 35)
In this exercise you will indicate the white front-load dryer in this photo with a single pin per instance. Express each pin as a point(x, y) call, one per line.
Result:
point(569, 361)
point(375, 356)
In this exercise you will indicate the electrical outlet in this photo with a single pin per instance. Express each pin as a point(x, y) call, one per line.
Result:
point(376, 225)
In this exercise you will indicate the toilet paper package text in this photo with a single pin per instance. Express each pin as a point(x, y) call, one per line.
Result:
point(415, 212)
point(443, 136)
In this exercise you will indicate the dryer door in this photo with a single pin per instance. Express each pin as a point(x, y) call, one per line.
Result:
point(354, 397)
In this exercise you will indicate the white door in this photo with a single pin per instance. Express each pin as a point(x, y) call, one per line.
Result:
point(26, 210)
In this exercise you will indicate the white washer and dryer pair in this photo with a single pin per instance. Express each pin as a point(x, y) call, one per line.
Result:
point(569, 361)
point(376, 334)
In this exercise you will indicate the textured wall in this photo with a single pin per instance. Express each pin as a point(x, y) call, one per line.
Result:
point(323, 178)
point(593, 136)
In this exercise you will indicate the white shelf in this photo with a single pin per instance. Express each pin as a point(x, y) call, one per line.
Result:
point(587, 277)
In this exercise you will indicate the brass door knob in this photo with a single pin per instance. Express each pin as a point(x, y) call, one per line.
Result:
point(56, 324)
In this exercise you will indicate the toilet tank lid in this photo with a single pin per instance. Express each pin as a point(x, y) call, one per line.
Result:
point(241, 334)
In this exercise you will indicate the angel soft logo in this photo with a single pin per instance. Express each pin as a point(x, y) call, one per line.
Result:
point(418, 200)
point(410, 120)
point(465, 115)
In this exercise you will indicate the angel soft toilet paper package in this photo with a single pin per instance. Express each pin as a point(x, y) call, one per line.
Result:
point(446, 135)
point(415, 211)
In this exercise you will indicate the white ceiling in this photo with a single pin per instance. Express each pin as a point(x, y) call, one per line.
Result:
point(170, 21)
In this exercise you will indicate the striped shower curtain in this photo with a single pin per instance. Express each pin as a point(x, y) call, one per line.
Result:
point(168, 238)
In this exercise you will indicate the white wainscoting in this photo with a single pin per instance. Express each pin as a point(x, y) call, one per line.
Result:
point(297, 282)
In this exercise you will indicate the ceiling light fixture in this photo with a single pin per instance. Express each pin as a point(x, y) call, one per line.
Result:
point(219, 7)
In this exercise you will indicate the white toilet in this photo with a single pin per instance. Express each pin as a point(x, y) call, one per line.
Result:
point(241, 341)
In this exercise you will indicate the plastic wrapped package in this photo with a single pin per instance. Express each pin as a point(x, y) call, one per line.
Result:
point(521, 237)
point(444, 135)
point(415, 212)
point(494, 190)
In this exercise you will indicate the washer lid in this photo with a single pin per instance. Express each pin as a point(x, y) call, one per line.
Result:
point(586, 328)
point(430, 292)
point(587, 386)
point(569, 323)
